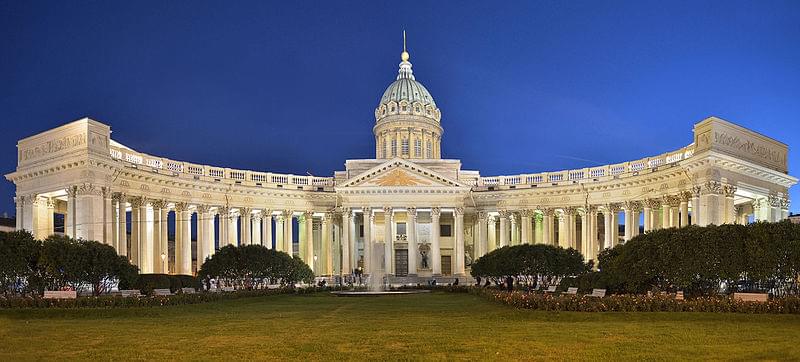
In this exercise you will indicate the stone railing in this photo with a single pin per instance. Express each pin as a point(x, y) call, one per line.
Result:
point(590, 174)
point(211, 173)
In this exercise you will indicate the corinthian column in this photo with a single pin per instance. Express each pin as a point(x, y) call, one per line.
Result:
point(367, 220)
point(388, 245)
point(346, 269)
point(183, 241)
point(136, 203)
point(255, 230)
point(683, 208)
point(436, 252)
point(526, 227)
point(481, 245)
point(309, 240)
point(411, 237)
point(266, 226)
point(730, 211)
point(503, 229)
point(459, 243)
point(287, 232)
point(325, 242)
point(122, 226)
point(547, 226)
point(245, 213)
point(158, 262)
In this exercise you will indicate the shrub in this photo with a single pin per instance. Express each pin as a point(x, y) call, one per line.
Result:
point(530, 264)
point(253, 266)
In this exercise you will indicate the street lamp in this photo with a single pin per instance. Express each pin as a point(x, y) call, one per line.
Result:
point(164, 262)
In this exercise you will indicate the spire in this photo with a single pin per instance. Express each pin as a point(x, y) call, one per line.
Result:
point(404, 55)
point(405, 65)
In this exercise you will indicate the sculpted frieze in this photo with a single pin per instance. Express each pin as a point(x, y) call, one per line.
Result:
point(52, 146)
point(756, 150)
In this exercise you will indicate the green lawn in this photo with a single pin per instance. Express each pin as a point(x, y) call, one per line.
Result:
point(433, 326)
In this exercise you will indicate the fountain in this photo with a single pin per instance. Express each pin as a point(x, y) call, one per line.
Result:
point(378, 284)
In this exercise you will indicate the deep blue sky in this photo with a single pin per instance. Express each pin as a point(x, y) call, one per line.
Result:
point(285, 87)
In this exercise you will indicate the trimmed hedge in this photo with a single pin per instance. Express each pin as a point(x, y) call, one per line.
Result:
point(15, 302)
point(638, 303)
point(147, 282)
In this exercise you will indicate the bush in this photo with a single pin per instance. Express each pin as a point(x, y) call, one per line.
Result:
point(530, 264)
point(253, 266)
point(29, 266)
point(762, 257)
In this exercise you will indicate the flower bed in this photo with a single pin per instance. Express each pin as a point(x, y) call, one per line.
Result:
point(638, 303)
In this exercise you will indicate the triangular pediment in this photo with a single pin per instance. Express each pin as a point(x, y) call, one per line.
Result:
point(401, 173)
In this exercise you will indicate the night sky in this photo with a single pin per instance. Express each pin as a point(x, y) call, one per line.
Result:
point(284, 87)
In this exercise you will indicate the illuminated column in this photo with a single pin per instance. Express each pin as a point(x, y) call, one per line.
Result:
point(584, 234)
point(388, 246)
point(648, 215)
point(288, 246)
point(183, 240)
point(367, 219)
point(222, 225)
point(205, 222)
point(279, 230)
point(512, 218)
point(122, 225)
point(89, 212)
point(145, 237)
point(165, 237)
point(19, 202)
point(526, 227)
point(562, 230)
point(607, 228)
point(136, 203)
point(571, 225)
point(108, 217)
point(158, 262)
point(547, 226)
point(266, 226)
point(346, 269)
point(69, 217)
point(491, 237)
point(233, 231)
point(615, 208)
point(436, 253)
point(695, 215)
point(591, 247)
point(503, 229)
point(459, 242)
point(729, 211)
point(683, 208)
point(537, 230)
point(308, 217)
point(255, 230)
point(630, 219)
point(710, 205)
point(482, 246)
point(327, 248)
point(665, 213)
point(245, 214)
point(411, 237)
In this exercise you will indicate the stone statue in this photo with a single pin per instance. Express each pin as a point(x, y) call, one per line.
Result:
point(424, 259)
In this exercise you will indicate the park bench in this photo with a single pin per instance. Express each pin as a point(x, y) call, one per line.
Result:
point(551, 289)
point(130, 293)
point(188, 291)
point(227, 289)
point(598, 293)
point(60, 294)
point(572, 291)
point(162, 292)
point(750, 297)
point(213, 290)
point(679, 296)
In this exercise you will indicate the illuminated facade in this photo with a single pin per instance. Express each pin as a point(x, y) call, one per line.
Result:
point(406, 212)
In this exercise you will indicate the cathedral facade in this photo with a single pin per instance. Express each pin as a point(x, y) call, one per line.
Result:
point(406, 213)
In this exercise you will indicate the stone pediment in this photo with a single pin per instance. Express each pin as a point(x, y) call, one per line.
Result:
point(401, 173)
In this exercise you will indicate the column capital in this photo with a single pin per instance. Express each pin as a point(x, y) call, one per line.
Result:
point(773, 199)
point(548, 211)
point(287, 214)
point(72, 191)
point(412, 212)
point(632, 206)
point(106, 191)
point(729, 190)
point(181, 206)
point(713, 187)
point(571, 210)
point(436, 212)
point(159, 204)
point(785, 202)
point(458, 211)
point(696, 190)
point(482, 215)
point(137, 201)
point(652, 203)
point(672, 200)
point(685, 196)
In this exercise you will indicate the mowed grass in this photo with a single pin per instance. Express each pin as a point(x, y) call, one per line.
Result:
point(435, 326)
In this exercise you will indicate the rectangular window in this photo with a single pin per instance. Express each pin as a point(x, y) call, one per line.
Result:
point(405, 147)
point(428, 150)
point(445, 230)
point(383, 149)
point(361, 230)
point(401, 228)
point(394, 148)
point(417, 148)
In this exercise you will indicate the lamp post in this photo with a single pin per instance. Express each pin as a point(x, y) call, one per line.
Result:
point(164, 263)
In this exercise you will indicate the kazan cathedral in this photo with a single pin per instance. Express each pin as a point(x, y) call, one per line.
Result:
point(406, 213)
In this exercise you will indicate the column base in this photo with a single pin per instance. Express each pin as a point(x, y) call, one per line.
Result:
point(412, 275)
